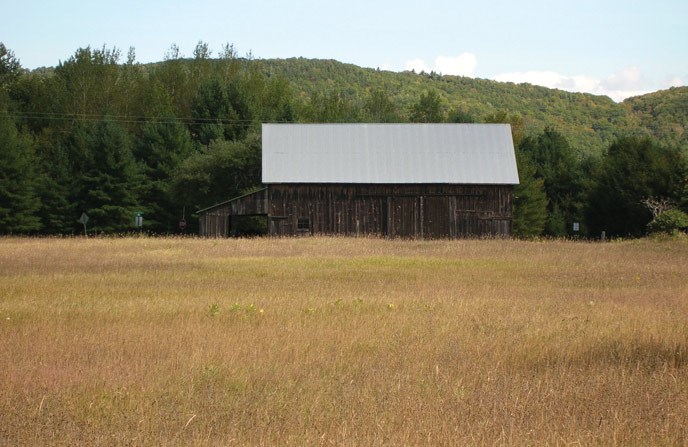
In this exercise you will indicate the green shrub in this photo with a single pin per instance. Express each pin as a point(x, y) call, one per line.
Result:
point(669, 222)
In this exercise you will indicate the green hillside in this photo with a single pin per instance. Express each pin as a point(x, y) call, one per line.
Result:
point(664, 114)
point(589, 122)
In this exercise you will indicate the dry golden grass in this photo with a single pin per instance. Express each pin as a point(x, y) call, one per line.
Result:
point(348, 342)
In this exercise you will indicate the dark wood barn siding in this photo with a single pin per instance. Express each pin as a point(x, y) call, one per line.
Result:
point(216, 221)
point(429, 211)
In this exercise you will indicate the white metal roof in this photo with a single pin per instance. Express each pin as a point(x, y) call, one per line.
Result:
point(389, 153)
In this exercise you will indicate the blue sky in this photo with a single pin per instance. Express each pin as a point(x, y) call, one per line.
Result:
point(615, 47)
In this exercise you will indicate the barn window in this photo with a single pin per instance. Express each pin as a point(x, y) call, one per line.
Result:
point(303, 224)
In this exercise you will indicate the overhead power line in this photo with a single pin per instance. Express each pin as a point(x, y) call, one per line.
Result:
point(128, 118)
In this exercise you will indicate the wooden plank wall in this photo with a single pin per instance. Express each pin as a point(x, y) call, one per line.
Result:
point(425, 211)
point(215, 221)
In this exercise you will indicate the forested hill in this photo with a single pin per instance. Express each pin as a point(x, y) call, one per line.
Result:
point(664, 114)
point(332, 91)
point(589, 122)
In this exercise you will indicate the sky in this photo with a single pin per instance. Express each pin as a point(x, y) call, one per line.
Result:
point(618, 48)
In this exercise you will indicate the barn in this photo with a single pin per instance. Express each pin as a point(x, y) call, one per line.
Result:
point(389, 180)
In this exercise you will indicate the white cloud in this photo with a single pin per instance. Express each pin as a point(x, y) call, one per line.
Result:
point(461, 65)
point(417, 64)
point(628, 79)
point(618, 86)
point(628, 82)
point(544, 78)
point(674, 82)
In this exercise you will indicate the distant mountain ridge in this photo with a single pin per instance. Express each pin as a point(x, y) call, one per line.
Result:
point(589, 122)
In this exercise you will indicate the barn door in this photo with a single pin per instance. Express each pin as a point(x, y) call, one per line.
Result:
point(403, 213)
point(436, 217)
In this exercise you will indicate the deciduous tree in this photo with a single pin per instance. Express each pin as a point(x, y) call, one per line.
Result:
point(87, 82)
point(10, 68)
point(380, 108)
point(428, 109)
point(220, 171)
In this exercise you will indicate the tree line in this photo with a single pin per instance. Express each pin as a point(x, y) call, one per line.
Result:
point(103, 135)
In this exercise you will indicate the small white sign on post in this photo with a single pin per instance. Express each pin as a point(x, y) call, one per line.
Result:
point(83, 220)
point(139, 219)
point(576, 227)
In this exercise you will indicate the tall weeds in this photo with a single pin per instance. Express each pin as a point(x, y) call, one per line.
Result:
point(335, 341)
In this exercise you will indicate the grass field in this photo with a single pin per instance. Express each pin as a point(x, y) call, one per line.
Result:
point(347, 342)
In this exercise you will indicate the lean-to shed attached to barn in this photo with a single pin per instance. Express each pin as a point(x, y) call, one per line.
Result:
point(396, 180)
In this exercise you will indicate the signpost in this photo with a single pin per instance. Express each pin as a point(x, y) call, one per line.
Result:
point(138, 218)
point(182, 223)
point(83, 219)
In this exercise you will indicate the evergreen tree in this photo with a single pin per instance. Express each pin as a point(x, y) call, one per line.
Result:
point(162, 146)
point(633, 170)
point(239, 101)
point(276, 102)
point(55, 186)
point(212, 112)
point(18, 199)
point(556, 164)
point(219, 112)
point(530, 201)
point(35, 97)
point(110, 180)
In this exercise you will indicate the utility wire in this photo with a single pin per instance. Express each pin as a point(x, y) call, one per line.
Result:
point(130, 119)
